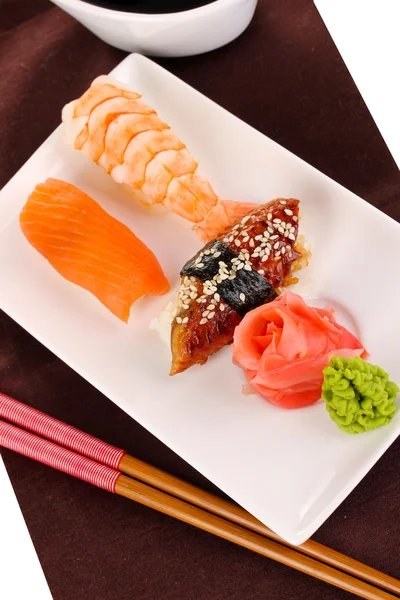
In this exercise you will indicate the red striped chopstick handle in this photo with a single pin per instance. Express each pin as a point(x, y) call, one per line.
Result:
point(59, 458)
point(59, 432)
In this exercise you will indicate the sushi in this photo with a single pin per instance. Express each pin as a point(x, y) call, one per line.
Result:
point(90, 248)
point(114, 127)
point(246, 266)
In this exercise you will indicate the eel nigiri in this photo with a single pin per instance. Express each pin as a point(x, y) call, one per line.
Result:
point(90, 248)
point(244, 267)
point(114, 127)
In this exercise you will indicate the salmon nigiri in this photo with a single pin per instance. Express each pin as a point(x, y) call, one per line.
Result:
point(89, 247)
point(114, 127)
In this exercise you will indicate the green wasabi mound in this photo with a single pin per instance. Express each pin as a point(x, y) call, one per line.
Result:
point(359, 396)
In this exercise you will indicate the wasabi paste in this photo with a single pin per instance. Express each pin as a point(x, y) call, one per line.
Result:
point(359, 396)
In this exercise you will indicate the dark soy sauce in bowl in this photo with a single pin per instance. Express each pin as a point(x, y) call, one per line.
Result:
point(151, 6)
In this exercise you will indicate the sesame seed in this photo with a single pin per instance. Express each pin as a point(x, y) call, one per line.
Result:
point(288, 225)
point(193, 295)
point(185, 320)
point(226, 240)
point(232, 277)
point(261, 271)
point(251, 243)
point(230, 239)
point(224, 276)
point(247, 267)
point(276, 221)
point(245, 219)
point(200, 265)
point(216, 254)
point(281, 230)
point(242, 297)
point(276, 245)
point(199, 300)
point(207, 252)
point(278, 255)
point(209, 307)
point(246, 239)
point(283, 250)
point(185, 306)
point(205, 313)
point(274, 237)
point(283, 201)
point(236, 227)
point(217, 297)
point(218, 280)
point(212, 250)
point(258, 237)
point(288, 211)
point(270, 230)
point(203, 321)
point(269, 216)
point(292, 230)
point(237, 243)
point(291, 236)
point(240, 266)
point(295, 218)
point(222, 307)
point(193, 288)
point(254, 255)
point(211, 315)
point(221, 263)
point(264, 258)
point(208, 292)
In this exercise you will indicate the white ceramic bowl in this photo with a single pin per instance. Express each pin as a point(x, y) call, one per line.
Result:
point(175, 34)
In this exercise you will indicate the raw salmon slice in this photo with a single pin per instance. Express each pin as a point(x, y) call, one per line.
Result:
point(90, 248)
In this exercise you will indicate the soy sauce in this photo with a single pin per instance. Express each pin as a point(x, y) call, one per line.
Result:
point(151, 6)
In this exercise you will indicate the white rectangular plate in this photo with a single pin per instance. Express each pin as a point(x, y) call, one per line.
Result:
point(290, 468)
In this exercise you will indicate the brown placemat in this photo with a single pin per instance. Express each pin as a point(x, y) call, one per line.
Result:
point(284, 77)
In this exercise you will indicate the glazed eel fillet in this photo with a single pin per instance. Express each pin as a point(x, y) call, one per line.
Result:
point(246, 266)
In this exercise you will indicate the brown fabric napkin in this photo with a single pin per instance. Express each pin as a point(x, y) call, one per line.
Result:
point(284, 77)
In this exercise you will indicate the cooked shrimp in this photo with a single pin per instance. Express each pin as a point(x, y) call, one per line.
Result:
point(114, 127)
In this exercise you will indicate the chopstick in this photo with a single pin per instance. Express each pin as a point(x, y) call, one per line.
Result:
point(106, 475)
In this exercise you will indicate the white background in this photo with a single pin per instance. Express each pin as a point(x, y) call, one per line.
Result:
point(366, 33)
point(20, 574)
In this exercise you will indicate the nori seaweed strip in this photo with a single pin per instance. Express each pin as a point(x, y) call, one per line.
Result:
point(210, 262)
point(254, 286)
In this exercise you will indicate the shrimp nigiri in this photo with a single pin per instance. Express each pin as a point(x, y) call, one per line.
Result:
point(114, 127)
